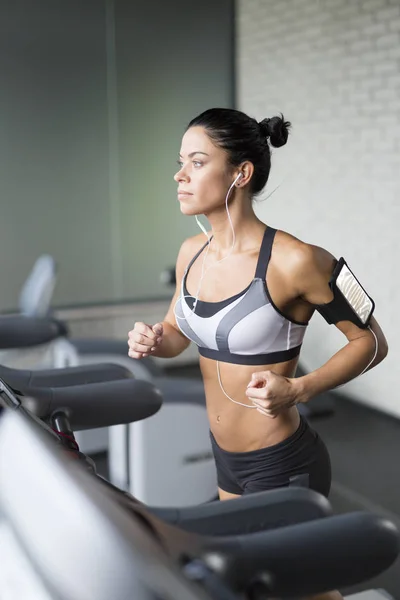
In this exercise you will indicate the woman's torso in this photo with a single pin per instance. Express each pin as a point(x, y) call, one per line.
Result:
point(235, 427)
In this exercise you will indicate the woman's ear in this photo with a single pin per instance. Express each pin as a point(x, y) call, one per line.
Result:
point(246, 173)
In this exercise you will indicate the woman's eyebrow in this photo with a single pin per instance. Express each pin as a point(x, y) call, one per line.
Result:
point(196, 152)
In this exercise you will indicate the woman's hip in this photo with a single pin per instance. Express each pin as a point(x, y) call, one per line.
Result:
point(301, 459)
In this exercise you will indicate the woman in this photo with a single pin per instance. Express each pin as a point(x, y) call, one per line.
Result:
point(245, 296)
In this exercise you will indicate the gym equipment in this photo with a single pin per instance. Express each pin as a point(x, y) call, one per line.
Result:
point(184, 471)
point(37, 292)
point(167, 459)
point(98, 390)
point(177, 470)
point(65, 400)
point(84, 541)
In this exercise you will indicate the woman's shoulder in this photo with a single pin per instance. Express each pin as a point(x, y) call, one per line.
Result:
point(189, 247)
point(192, 244)
point(297, 257)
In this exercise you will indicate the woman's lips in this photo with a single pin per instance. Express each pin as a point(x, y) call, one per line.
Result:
point(182, 194)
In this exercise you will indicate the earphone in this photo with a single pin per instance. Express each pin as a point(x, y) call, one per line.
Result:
point(203, 272)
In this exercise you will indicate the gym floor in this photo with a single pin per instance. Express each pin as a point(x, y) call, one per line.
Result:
point(364, 445)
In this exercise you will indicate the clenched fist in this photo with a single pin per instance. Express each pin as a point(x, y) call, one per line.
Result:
point(144, 339)
point(272, 393)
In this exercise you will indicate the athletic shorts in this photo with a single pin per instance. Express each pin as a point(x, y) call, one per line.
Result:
point(302, 459)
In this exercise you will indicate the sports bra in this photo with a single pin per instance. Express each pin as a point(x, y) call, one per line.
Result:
point(246, 328)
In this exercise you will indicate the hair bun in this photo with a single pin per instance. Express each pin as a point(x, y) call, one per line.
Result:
point(276, 130)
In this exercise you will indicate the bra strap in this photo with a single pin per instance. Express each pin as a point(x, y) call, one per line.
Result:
point(265, 252)
point(196, 256)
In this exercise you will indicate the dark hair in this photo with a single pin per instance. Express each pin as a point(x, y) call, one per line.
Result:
point(244, 138)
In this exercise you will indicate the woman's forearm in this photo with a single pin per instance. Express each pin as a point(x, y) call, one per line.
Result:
point(173, 342)
point(344, 366)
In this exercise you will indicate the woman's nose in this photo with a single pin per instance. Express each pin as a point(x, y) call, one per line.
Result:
point(181, 175)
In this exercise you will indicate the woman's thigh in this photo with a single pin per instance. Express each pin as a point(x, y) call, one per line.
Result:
point(314, 474)
point(223, 495)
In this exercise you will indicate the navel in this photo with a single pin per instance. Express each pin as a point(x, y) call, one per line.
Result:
point(218, 418)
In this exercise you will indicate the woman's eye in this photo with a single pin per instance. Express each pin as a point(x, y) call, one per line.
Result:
point(196, 163)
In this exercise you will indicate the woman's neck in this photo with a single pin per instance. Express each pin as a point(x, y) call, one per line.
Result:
point(245, 223)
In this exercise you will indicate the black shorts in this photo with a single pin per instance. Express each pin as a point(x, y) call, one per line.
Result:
point(301, 459)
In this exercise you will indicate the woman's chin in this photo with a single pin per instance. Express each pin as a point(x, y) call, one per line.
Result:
point(189, 209)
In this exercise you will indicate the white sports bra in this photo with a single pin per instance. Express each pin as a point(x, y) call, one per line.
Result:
point(246, 328)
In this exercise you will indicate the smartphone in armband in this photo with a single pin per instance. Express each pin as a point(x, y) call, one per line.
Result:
point(350, 300)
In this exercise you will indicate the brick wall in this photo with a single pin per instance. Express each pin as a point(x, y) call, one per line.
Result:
point(333, 68)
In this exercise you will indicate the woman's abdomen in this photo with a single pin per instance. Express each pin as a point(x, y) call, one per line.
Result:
point(238, 428)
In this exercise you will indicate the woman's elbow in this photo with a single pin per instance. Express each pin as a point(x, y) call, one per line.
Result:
point(383, 352)
point(382, 349)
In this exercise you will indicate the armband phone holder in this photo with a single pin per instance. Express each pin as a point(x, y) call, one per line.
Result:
point(350, 300)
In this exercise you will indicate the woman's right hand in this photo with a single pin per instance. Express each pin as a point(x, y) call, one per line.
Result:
point(144, 339)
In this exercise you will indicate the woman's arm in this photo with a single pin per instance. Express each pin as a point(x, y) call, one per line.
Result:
point(173, 341)
point(309, 269)
point(347, 363)
point(314, 270)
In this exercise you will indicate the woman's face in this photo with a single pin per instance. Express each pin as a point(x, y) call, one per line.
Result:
point(204, 176)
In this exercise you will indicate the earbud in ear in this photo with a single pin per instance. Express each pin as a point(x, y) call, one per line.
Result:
point(238, 178)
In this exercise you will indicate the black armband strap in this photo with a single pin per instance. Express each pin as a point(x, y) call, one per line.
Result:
point(350, 301)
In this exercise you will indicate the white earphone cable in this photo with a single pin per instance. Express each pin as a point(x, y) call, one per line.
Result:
point(222, 388)
point(203, 272)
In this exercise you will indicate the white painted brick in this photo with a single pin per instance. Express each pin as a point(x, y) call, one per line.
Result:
point(334, 4)
point(358, 72)
point(339, 84)
point(359, 96)
point(394, 25)
point(375, 107)
point(394, 52)
point(312, 32)
point(389, 13)
point(385, 68)
point(371, 5)
point(363, 20)
point(310, 8)
point(353, 60)
point(349, 35)
point(323, 43)
point(321, 17)
point(394, 107)
point(371, 83)
point(390, 39)
point(349, 10)
point(375, 29)
point(376, 56)
point(381, 170)
point(276, 8)
point(361, 45)
point(393, 81)
point(335, 51)
point(386, 94)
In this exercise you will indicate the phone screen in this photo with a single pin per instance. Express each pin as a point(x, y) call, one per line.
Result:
point(354, 294)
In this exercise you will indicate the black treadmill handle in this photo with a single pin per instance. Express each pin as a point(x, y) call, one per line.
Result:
point(25, 380)
point(249, 514)
point(96, 405)
point(335, 552)
point(20, 331)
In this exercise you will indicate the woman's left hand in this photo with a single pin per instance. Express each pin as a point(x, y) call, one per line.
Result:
point(271, 393)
